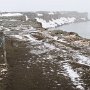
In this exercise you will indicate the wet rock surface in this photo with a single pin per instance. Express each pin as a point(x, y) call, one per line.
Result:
point(40, 59)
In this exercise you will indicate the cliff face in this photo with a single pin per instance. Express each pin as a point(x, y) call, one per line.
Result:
point(48, 19)
point(54, 19)
point(42, 59)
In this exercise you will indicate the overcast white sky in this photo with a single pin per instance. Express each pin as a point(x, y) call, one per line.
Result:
point(47, 5)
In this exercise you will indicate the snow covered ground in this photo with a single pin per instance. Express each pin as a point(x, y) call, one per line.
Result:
point(52, 54)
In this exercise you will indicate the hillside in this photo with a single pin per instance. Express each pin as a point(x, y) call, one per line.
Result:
point(42, 59)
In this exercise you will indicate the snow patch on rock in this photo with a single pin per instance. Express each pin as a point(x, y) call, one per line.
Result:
point(39, 14)
point(83, 60)
point(75, 78)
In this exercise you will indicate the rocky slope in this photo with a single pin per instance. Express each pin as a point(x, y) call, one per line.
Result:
point(42, 59)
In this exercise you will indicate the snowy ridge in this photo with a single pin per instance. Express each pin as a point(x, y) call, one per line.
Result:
point(10, 14)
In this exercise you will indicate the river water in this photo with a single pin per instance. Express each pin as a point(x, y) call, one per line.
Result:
point(83, 28)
